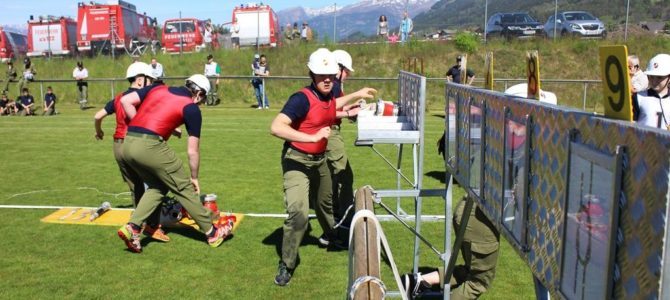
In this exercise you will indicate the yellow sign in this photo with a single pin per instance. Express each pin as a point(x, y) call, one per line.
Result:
point(488, 77)
point(533, 74)
point(616, 83)
point(464, 68)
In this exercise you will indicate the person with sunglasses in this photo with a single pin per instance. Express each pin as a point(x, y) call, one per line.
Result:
point(304, 124)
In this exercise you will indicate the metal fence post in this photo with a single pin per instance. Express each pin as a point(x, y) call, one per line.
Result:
point(42, 90)
point(111, 84)
point(584, 98)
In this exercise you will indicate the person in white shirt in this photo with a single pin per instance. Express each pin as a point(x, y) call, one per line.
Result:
point(207, 35)
point(654, 103)
point(156, 69)
point(235, 34)
point(638, 80)
point(212, 71)
point(81, 74)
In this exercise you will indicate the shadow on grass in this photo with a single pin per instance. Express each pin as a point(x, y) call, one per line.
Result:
point(438, 175)
point(275, 238)
point(441, 116)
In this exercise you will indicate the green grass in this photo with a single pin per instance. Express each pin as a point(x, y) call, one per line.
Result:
point(57, 161)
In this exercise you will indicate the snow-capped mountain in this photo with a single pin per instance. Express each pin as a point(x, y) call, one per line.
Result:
point(361, 17)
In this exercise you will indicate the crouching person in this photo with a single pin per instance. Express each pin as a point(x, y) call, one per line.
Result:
point(163, 109)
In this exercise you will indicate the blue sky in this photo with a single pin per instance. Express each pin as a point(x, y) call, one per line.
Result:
point(17, 12)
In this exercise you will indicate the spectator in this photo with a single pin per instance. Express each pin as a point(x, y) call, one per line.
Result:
point(288, 33)
point(235, 34)
point(383, 28)
point(654, 103)
point(27, 103)
point(296, 31)
point(207, 35)
point(639, 81)
point(28, 75)
point(156, 69)
point(454, 73)
point(7, 106)
point(11, 76)
point(212, 71)
point(262, 69)
point(81, 74)
point(49, 102)
point(406, 27)
point(393, 38)
point(306, 34)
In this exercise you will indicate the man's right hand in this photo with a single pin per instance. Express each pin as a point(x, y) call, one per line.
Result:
point(196, 185)
point(99, 135)
point(323, 133)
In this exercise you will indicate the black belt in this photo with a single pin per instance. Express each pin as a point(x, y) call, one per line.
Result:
point(306, 156)
point(118, 140)
point(145, 136)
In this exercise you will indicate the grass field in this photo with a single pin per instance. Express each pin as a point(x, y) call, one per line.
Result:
point(57, 161)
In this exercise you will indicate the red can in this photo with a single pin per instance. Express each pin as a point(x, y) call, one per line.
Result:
point(210, 203)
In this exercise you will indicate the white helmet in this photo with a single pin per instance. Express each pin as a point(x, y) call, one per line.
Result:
point(323, 62)
point(659, 65)
point(521, 90)
point(199, 80)
point(343, 58)
point(139, 68)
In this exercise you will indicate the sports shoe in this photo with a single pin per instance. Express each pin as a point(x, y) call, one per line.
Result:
point(283, 275)
point(330, 242)
point(131, 237)
point(220, 232)
point(413, 284)
point(156, 233)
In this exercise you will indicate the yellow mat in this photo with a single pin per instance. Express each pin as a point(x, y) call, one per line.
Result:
point(113, 217)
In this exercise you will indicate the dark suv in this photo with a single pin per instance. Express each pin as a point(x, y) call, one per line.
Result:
point(511, 25)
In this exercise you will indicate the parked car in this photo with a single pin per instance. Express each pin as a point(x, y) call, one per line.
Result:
point(511, 25)
point(575, 23)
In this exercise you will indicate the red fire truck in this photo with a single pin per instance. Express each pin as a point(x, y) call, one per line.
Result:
point(258, 25)
point(113, 26)
point(183, 35)
point(52, 36)
point(12, 44)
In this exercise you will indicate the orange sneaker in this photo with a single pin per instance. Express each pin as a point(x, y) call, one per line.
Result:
point(156, 233)
point(220, 232)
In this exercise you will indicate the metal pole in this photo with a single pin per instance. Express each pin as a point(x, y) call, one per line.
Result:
point(584, 98)
point(555, 16)
point(486, 16)
point(335, 22)
point(258, 29)
point(49, 39)
point(625, 32)
point(181, 36)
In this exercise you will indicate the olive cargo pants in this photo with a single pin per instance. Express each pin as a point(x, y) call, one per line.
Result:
point(134, 181)
point(306, 179)
point(162, 171)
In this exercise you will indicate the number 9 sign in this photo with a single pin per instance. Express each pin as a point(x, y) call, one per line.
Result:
point(616, 82)
point(533, 73)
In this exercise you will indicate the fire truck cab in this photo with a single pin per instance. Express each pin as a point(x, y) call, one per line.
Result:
point(12, 44)
point(258, 25)
point(113, 26)
point(52, 36)
point(183, 35)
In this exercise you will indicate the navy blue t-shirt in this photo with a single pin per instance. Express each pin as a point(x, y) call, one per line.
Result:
point(109, 107)
point(26, 100)
point(50, 98)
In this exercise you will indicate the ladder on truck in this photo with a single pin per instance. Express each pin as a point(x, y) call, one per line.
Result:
point(114, 35)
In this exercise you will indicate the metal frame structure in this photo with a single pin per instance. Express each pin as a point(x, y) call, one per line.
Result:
point(407, 128)
point(636, 230)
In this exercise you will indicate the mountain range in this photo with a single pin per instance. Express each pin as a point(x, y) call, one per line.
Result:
point(431, 15)
point(358, 18)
